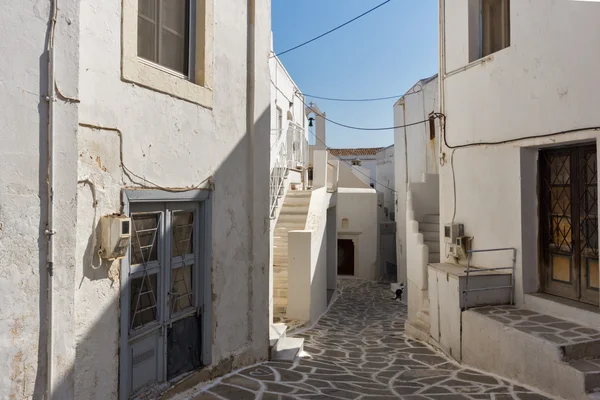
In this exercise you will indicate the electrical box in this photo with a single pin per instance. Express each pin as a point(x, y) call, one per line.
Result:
point(115, 235)
point(452, 232)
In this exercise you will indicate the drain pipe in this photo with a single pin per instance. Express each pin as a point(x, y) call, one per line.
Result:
point(405, 145)
point(442, 76)
point(250, 108)
point(50, 232)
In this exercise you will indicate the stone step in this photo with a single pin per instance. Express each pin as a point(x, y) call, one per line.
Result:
point(554, 355)
point(276, 332)
point(430, 236)
point(434, 257)
point(427, 227)
point(279, 309)
point(417, 330)
point(433, 245)
point(294, 218)
point(299, 193)
point(287, 349)
point(283, 293)
point(431, 218)
point(423, 316)
point(303, 210)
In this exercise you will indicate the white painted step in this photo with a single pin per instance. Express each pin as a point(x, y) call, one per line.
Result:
point(427, 227)
point(433, 245)
point(430, 236)
point(276, 332)
point(434, 258)
point(423, 316)
point(431, 218)
point(287, 349)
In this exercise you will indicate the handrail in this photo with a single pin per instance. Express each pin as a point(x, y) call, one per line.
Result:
point(469, 270)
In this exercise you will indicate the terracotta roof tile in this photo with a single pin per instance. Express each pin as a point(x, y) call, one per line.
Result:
point(371, 151)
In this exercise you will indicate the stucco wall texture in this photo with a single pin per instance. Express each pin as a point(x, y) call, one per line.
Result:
point(166, 140)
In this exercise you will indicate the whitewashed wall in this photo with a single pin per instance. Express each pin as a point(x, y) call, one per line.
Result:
point(544, 82)
point(359, 206)
point(385, 181)
point(415, 153)
point(172, 142)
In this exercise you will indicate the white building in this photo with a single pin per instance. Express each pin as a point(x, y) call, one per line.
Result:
point(518, 168)
point(174, 137)
point(385, 181)
point(363, 161)
point(416, 167)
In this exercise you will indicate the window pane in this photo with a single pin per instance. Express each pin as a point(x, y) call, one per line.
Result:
point(495, 25)
point(144, 240)
point(181, 289)
point(173, 35)
point(561, 268)
point(143, 299)
point(183, 233)
point(147, 23)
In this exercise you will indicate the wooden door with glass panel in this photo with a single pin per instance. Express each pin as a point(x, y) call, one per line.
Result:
point(569, 223)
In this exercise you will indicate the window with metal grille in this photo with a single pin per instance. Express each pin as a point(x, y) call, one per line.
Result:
point(164, 33)
point(279, 121)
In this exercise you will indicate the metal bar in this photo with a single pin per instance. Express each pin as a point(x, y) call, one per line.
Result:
point(478, 269)
point(489, 288)
point(490, 250)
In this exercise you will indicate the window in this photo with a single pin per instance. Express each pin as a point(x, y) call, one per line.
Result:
point(168, 47)
point(164, 33)
point(345, 223)
point(356, 162)
point(494, 25)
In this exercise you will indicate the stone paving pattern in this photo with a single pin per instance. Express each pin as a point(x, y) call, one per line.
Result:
point(358, 351)
point(555, 330)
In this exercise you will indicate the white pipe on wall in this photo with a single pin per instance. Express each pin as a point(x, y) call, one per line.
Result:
point(50, 98)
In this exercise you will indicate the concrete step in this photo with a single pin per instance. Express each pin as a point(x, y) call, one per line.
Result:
point(423, 316)
point(431, 218)
point(427, 227)
point(303, 210)
point(276, 332)
point(433, 245)
point(554, 355)
point(279, 309)
point(430, 236)
point(287, 349)
point(299, 193)
point(434, 257)
point(294, 218)
point(417, 330)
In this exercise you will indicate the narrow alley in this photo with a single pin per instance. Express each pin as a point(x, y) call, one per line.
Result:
point(358, 351)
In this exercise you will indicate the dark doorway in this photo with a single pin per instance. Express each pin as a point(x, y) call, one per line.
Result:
point(569, 223)
point(345, 257)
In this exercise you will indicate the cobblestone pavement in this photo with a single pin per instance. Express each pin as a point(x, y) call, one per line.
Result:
point(358, 351)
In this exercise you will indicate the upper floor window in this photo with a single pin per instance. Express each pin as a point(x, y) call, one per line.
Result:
point(168, 46)
point(279, 120)
point(164, 33)
point(494, 26)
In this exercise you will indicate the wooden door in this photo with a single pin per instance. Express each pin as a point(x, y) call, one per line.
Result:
point(569, 223)
point(345, 257)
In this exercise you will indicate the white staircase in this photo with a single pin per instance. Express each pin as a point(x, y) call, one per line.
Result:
point(292, 217)
point(429, 227)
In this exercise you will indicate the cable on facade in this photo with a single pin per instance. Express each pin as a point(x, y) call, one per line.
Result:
point(330, 31)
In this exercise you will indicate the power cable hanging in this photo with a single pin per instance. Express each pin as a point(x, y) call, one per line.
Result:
point(330, 31)
point(361, 128)
point(353, 100)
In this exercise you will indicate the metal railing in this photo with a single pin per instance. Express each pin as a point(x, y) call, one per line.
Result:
point(470, 269)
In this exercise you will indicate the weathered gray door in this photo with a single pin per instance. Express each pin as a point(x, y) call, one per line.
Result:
point(164, 332)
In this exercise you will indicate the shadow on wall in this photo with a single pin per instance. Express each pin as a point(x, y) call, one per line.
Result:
point(237, 283)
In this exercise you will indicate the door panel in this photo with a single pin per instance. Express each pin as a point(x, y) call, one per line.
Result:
point(345, 257)
point(569, 223)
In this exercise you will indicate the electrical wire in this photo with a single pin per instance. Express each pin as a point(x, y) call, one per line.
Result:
point(350, 100)
point(330, 31)
point(540, 136)
point(361, 128)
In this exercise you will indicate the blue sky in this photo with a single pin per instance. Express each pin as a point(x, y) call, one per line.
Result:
point(382, 54)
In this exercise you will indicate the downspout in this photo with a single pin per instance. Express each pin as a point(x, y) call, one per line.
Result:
point(442, 76)
point(49, 232)
point(250, 94)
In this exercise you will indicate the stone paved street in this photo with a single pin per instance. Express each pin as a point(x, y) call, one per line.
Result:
point(358, 351)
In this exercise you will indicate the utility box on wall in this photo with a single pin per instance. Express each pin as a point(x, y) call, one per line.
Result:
point(446, 301)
